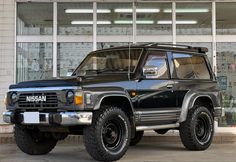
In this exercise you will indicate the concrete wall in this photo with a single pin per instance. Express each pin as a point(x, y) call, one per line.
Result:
point(7, 28)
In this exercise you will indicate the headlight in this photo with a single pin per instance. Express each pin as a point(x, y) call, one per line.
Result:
point(70, 96)
point(13, 97)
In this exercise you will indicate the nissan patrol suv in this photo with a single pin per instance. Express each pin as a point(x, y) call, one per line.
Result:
point(115, 95)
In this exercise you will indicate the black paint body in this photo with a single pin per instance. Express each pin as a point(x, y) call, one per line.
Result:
point(156, 101)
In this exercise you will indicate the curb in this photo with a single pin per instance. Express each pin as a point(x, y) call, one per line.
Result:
point(149, 137)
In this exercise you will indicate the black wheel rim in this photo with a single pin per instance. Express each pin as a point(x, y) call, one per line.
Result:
point(203, 128)
point(113, 134)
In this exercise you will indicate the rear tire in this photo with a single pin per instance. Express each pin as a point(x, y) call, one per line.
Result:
point(108, 137)
point(137, 138)
point(197, 131)
point(33, 142)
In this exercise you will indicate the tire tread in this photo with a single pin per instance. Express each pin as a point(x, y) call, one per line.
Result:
point(93, 147)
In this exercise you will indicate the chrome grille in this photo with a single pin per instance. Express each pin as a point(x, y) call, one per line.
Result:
point(51, 101)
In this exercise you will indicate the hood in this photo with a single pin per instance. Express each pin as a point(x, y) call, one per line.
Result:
point(56, 82)
point(71, 81)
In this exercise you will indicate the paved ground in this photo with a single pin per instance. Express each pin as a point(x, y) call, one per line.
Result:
point(144, 152)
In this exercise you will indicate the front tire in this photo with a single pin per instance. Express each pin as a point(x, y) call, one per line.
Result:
point(137, 138)
point(197, 131)
point(108, 138)
point(32, 141)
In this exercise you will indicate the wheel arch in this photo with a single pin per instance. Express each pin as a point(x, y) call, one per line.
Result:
point(122, 101)
point(193, 99)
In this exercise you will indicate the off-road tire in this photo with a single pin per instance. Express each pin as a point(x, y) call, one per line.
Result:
point(197, 131)
point(32, 142)
point(105, 122)
point(137, 138)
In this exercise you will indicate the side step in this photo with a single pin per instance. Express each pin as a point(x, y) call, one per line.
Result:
point(156, 127)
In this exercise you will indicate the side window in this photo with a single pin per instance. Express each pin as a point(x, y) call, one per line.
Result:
point(157, 62)
point(190, 66)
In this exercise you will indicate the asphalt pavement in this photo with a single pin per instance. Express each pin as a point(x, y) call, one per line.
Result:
point(143, 152)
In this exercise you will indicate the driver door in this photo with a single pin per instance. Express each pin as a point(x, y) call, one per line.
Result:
point(157, 99)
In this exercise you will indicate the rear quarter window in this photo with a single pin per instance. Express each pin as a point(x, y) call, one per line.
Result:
point(190, 66)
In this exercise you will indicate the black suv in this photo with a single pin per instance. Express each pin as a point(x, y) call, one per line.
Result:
point(115, 95)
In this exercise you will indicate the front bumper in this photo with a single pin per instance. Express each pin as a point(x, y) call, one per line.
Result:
point(41, 118)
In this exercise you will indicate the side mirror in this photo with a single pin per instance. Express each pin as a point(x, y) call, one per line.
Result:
point(150, 71)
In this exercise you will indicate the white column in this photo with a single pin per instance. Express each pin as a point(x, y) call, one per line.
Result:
point(214, 37)
point(134, 23)
point(174, 22)
point(15, 48)
point(94, 26)
point(54, 39)
point(214, 50)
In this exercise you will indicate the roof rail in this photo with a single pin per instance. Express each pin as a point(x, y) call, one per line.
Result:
point(170, 45)
point(198, 49)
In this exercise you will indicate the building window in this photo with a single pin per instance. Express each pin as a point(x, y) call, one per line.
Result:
point(225, 18)
point(75, 18)
point(34, 61)
point(70, 55)
point(104, 45)
point(193, 18)
point(34, 18)
point(226, 76)
point(114, 18)
point(152, 18)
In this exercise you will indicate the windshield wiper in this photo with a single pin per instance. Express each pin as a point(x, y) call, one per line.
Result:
point(105, 70)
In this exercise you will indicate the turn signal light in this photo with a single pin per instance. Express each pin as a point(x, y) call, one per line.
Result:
point(133, 94)
point(78, 98)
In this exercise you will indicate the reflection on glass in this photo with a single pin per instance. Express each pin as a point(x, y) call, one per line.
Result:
point(225, 18)
point(70, 56)
point(158, 64)
point(193, 18)
point(34, 18)
point(226, 76)
point(34, 61)
point(114, 19)
point(148, 21)
point(110, 61)
point(190, 66)
point(75, 18)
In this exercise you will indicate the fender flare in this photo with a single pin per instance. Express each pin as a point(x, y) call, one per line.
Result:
point(122, 94)
point(103, 96)
point(189, 101)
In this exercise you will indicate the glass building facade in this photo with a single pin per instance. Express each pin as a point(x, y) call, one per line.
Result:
point(52, 38)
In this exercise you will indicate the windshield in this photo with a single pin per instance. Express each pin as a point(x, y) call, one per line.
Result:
point(115, 61)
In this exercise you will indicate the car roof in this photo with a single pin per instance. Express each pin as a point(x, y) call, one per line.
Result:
point(162, 46)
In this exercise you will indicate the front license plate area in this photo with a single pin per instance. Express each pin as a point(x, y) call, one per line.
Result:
point(31, 117)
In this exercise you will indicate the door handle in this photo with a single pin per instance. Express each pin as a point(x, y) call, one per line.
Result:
point(169, 86)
